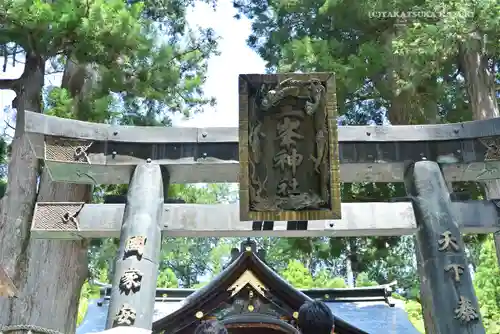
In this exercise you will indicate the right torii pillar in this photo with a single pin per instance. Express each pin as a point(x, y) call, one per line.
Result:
point(449, 304)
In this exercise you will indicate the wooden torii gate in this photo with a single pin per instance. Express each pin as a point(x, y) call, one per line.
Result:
point(424, 157)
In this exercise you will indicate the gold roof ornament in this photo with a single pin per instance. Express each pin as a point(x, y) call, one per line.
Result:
point(249, 278)
point(7, 287)
point(248, 249)
point(295, 315)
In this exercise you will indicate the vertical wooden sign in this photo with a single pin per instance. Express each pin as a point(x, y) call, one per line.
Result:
point(288, 147)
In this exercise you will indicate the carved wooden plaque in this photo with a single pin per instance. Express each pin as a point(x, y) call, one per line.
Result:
point(288, 147)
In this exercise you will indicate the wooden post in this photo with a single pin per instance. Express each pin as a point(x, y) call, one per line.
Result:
point(449, 303)
point(136, 270)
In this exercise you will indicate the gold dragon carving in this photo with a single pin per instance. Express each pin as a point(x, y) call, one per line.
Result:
point(311, 90)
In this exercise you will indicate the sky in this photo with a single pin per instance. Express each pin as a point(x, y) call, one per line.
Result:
point(222, 82)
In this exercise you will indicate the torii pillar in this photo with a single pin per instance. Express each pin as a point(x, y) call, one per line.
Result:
point(449, 303)
point(136, 270)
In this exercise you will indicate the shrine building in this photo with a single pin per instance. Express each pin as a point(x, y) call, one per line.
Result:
point(249, 297)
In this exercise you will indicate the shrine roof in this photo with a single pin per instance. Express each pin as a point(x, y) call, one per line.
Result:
point(372, 317)
point(356, 310)
point(246, 268)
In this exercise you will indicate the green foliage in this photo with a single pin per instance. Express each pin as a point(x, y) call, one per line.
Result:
point(221, 254)
point(393, 266)
point(396, 295)
point(487, 286)
point(414, 311)
point(59, 103)
point(103, 276)
point(92, 24)
point(297, 275)
point(187, 257)
point(200, 285)
point(207, 194)
point(381, 65)
point(428, 43)
point(141, 60)
point(363, 280)
point(151, 64)
point(83, 305)
point(102, 254)
point(87, 292)
point(324, 279)
point(3, 187)
point(414, 292)
point(167, 279)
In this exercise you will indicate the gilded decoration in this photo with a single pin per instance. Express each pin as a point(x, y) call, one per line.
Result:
point(492, 145)
point(247, 278)
point(456, 270)
point(134, 246)
point(245, 302)
point(447, 242)
point(125, 316)
point(292, 154)
point(130, 281)
point(465, 312)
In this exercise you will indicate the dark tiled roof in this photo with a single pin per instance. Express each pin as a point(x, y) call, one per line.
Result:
point(375, 317)
point(372, 317)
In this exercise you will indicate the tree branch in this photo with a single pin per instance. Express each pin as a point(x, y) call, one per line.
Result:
point(12, 84)
point(10, 126)
point(185, 53)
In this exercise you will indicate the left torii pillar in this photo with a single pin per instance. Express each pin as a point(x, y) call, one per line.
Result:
point(136, 270)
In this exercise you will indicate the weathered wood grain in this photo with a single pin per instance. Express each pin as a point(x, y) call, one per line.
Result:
point(7, 287)
point(55, 126)
point(142, 217)
point(445, 281)
point(259, 178)
point(190, 171)
point(197, 220)
point(212, 154)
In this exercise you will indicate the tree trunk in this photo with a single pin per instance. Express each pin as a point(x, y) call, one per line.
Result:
point(68, 259)
point(348, 265)
point(79, 80)
point(36, 264)
point(43, 302)
point(18, 203)
point(480, 81)
point(400, 108)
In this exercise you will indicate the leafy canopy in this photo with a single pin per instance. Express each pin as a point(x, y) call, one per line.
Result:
point(147, 62)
